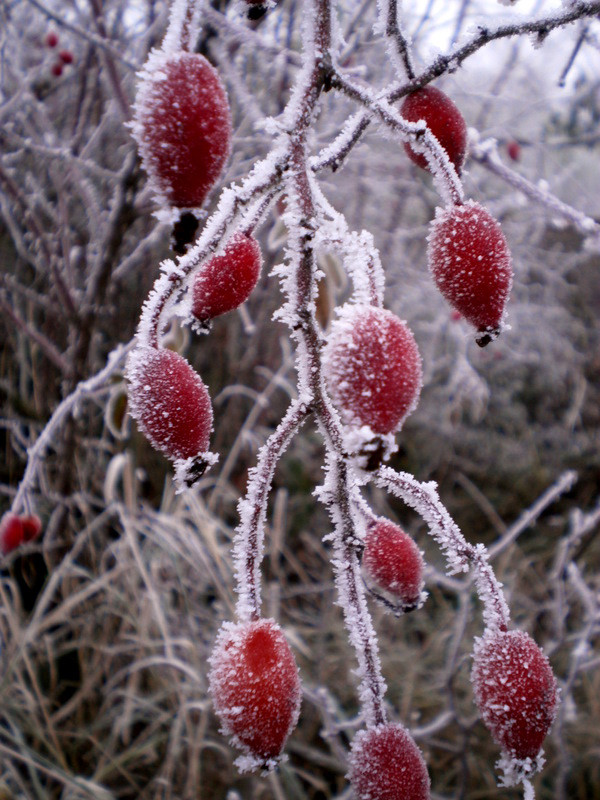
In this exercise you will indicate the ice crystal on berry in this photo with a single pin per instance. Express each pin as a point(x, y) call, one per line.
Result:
point(256, 689)
point(373, 368)
point(170, 402)
point(515, 690)
point(443, 119)
point(471, 265)
point(225, 281)
point(182, 126)
point(386, 764)
point(392, 567)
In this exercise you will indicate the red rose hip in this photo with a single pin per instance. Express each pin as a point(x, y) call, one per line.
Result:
point(255, 689)
point(392, 567)
point(226, 281)
point(471, 265)
point(443, 119)
point(32, 527)
point(386, 764)
point(11, 532)
point(170, 402)
point(515, 690)
point(182, 126)
point(373, 368)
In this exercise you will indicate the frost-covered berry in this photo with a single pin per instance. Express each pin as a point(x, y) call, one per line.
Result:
point(386, 764)
point(182, 126)
point(373, 368)
point(515, 690)
point(11, 532)
point(51, 39)
point(170, 402)
point(443, 119)
point(392, 566)
point(32, 527)
point(66, 56)
point(471, 265)
point(227, 280)
point(255, 689)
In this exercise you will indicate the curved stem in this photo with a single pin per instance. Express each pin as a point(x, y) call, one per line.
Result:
point(249, 537)
point(459, 553)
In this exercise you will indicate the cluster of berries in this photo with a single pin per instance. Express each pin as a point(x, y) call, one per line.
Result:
point(468, 255)
point(16, 530)
point(374, 374)
point(183, 128)
point(64, 57)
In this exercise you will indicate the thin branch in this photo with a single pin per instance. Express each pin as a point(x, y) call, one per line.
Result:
point(64, 410)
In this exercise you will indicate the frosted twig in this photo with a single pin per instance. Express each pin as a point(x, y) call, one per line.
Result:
point(84, 34)
point(394, 32)
point(184, 26)
point(459, 553)
point(486, 154)
point(249, 537)
point(334, 155)
point(446, 178)
point(299, 313)
point(65, 409)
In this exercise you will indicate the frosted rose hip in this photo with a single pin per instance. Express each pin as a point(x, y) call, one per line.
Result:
point(255, 688)
point(392, 566)
point(443, 119)
point(182, 126)
point(515, 690)
point(225, 281)
point(386, 764)
point(471, 265)
point(373, 368)
point(170, 402)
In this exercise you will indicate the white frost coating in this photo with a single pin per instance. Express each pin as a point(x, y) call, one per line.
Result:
point(352, 599)
point(184, 26)
point(183, 469)
point(486, 153)
point(248, 546)
point(459, 554)
point(333, 153)
point(517, 771)
point(358, 251)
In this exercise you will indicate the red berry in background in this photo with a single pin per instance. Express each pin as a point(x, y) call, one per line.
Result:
point(51, 39)
point(515, 690)
point(182, 126)
point(170, 402)
point(57, 69)
point(11, 532)
point(66, 56)
point(471, 265)
point(32, 527)
point(226, 281)
point(255, 688)
point(373, 368)
point(443, 119)
point(392, 566)
point(513, 148)
point(386, 764)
